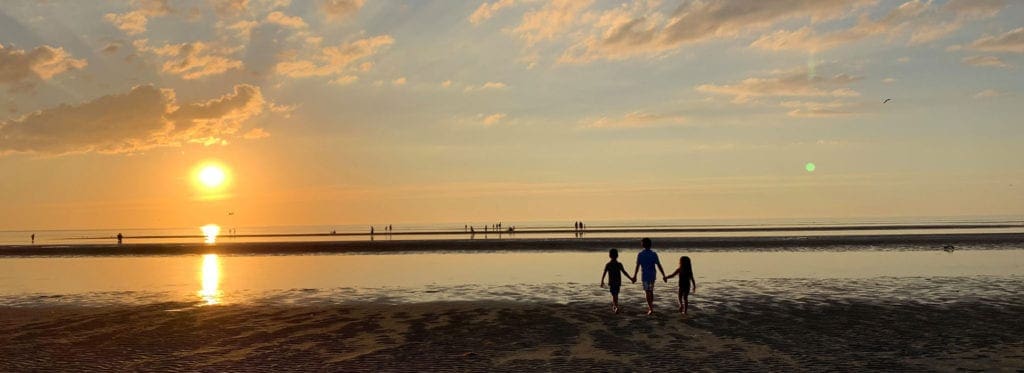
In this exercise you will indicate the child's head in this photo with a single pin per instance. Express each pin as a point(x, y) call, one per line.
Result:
point(646, 242)
point(613, 253)
point(684, 263)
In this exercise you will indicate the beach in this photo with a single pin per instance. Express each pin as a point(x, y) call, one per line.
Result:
point(927, 324)
point(861, 302)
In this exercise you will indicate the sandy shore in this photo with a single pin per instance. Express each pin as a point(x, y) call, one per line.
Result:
point(973, 241)
point(743, 328)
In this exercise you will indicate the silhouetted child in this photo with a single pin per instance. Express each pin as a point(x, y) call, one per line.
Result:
point(685, 272)
point(612, 271)
point(648, 260)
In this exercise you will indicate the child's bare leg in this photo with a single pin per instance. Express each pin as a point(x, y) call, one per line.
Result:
point(682, 307)
point(615, 303)
point(650, 301)
point(686, 303)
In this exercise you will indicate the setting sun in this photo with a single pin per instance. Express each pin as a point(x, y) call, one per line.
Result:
point(211, 176)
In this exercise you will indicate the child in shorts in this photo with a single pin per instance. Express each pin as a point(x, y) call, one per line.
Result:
point(612, 271)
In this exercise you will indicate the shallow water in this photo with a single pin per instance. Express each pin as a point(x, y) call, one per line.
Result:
point(444, 276)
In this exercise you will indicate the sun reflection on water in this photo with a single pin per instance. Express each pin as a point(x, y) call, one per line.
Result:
point(210, 292)
point(210, 231)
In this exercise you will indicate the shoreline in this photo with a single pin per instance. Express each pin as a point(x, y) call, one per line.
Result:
point(384, 245)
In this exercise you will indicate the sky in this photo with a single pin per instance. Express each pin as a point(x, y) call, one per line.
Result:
point(375, 112)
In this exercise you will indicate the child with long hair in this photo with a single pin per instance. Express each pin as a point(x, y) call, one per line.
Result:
point(685, 273)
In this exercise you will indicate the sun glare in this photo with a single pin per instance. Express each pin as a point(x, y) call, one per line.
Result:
point(210, 276)
point(212, 176)
point(210, 231)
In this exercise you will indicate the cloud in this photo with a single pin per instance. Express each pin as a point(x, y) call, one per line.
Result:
point(284, 20)
point(990, 93)
point(345, 80)
point(335, 59)
point(256, 133)
point(340, 9)
point(446, 83)
point(636, 119)
point(134, 22)
point(398, 81)
point(143, 118)
point(1010, 42)
point(493, 118)
point(192, 60)
point(800, 82)
point(818, 109)
point(111, 48)
point(485, 87)
point(228, 8)
point(22, 69)
point(487, 10)
point(889, 80)
point(546, 22)
point(975, 8)
point(131, 23)
point(806, 39)
point(640, 29)
point(985, 61)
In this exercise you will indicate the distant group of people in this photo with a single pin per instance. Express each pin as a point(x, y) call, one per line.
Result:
point(646, 261)
point(387, 229)
point(579, 226)
point(492, 228)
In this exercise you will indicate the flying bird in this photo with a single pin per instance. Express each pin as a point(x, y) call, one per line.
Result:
point(886, 100)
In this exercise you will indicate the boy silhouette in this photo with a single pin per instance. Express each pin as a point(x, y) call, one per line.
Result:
point(647, 259)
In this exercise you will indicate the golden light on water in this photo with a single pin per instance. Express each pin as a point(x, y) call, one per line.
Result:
point(211, 231)
point(210, 277)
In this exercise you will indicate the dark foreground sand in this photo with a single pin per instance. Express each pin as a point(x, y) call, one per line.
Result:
point(742, 330)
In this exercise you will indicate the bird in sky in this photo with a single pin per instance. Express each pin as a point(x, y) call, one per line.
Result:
point(886, 100)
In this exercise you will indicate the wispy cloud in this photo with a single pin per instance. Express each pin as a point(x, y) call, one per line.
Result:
point(487, 10)
point(334, 60)
point(635, 119)
point(985, 61)
point(340, 9)
point(799, 82)
point(1010, 42)
point(192, 60)
point(492, 119)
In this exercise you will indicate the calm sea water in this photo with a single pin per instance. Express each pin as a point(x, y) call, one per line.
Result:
point(544, 276)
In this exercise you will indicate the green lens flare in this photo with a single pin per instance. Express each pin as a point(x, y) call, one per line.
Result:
point(809, 166)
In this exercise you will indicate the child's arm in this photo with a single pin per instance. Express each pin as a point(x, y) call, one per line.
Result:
point(694, 282)
point(623, 269)
point(603, 274)
point(635, 270)
point(662, 271)
point(673, 274)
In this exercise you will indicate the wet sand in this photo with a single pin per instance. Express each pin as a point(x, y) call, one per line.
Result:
point(934, 324)
point(975, 241)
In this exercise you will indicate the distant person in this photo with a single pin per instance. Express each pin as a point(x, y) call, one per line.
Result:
point(371, 230)
point(647, 259)
point(685, 272)
point(33, 238)
point(120, 237)
point(612, 270)
point(576, 226)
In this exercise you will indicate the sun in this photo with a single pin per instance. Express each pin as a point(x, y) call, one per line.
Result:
point(211, 176)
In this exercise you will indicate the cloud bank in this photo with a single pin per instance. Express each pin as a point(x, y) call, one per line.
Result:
point(143, 118)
